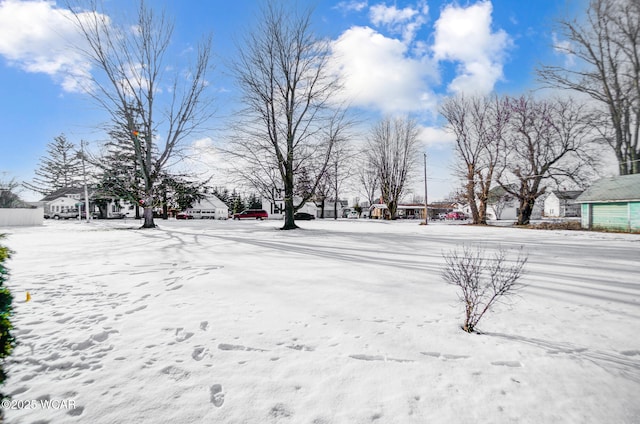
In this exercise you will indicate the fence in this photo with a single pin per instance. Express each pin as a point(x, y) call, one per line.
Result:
point(21, 217)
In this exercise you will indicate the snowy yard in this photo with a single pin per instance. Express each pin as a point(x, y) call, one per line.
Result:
point(340, 322)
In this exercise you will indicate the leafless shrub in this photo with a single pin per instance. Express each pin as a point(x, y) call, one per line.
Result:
point(483, 279)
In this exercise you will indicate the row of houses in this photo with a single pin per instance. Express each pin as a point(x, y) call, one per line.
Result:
point(610, 203)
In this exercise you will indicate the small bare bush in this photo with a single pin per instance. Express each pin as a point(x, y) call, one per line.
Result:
point(483, 279)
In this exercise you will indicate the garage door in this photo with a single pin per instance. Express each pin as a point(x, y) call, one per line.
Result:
point(611, 215)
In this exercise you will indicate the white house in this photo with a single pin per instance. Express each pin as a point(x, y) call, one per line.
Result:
point(562, 204)
point(275, 205)
point(209, 208)
point(63, 200)
point(502, 205)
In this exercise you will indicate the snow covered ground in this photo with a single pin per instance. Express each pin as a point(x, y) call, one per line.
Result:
point(340, 322)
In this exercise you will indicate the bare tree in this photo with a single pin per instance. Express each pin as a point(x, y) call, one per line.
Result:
point(288, 123)
point(607, 48)
point(546, 140)
point(393, 148)
point(9, 194)
point(341, 169)
point(483, 280)
point(322, 193)
point(367, 179)
point(155, 110)
point(478, 124)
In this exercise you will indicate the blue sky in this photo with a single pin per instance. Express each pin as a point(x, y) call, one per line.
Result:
point(398, 57)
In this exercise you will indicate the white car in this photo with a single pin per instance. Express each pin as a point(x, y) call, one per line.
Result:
point(353, 215)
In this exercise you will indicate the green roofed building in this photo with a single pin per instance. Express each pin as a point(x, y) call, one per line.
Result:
point(612, 203)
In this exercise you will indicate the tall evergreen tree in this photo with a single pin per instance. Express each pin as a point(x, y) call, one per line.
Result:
point(60, 168)
point(119, 176)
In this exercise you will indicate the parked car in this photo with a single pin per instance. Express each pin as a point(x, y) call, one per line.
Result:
point(73, 214)
point(184, 215)
point(114, 215)
point(303, 216)
point(442, 215)
point(456, 215)
point(353, 215)
point(251, 213)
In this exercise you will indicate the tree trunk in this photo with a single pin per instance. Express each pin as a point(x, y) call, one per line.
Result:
point(526, 209)
point(165, 207)
point(482, 212)
point(148, 218)
point(148, 212)
point(289, 221)
point(471, 198)
point(393, 209)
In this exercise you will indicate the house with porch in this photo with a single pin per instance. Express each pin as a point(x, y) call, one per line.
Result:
point(63, 200)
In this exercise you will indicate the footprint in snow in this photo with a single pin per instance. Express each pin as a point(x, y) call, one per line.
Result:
point(199, 353)
point(512, 364)
point(139, 308)
point(217, 397)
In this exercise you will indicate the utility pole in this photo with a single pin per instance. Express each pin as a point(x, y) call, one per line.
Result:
point(84, 180)
point(426, 210)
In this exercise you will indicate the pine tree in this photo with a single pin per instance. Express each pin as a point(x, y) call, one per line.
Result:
point(177, 192)
point(222, 193)
point(7, 341)
point(237, 204)
point(60, 168)
point(254, 202)
point(118, 174)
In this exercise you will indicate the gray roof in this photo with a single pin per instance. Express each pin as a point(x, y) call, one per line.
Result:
point(61, 192)
point(613, 189)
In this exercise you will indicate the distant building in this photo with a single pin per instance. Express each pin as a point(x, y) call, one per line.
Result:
point(209, 208)
point(329, 209)
point(275, 205)
point(63, 200)
point(612, 203)
point(562, 204)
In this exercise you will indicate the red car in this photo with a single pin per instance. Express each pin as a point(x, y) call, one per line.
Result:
point(456, 215)
point(184, 215)
point(251, 213)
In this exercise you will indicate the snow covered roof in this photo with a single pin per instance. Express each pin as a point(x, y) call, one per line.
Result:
point(613, 189)
point(209, 202)
point(62, 192)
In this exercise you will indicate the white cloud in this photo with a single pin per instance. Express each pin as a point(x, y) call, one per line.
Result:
point(353, 5)
point(563, 47)
point(464, 35)
point(379, 73)
point(436, 136)
point(382, 14)
point(35, 36)
point(406, 21)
